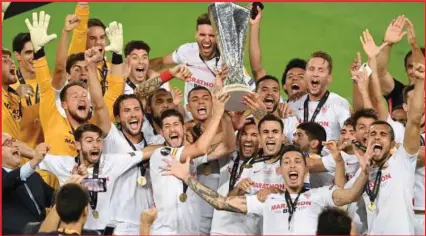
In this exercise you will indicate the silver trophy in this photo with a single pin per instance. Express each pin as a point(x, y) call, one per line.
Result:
point(230, 22)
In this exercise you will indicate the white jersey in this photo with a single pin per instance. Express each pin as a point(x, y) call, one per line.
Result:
point(355, 210)
point(212, 181)
point(419, 187)
point(332, 116)
point(173, 216)
point(128, 198)
point(263, 175)
point(224, 222)
point(290, 126)
point(398, 129)
point(275, 214)
point(394, 214)
point(111, 167)
point(203, 72)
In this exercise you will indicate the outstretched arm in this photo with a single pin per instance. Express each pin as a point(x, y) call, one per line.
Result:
point(159, 63)
point(393, 35)
point(181, 171)
point(415, 112)
point(255, 53)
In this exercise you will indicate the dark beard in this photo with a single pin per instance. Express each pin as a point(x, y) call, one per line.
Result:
point(79, 119)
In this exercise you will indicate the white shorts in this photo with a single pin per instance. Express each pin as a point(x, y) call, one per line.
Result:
point(123, 228)
point(419, 224)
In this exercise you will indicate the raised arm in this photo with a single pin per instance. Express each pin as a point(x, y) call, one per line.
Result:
point(202, 145)
point(159, 63)
point(418, 56)
point(79, 35)
point(100, 111)
point(181, 171)
point(343, 197)
point(149, 87)
point(372, 51)
point(360, 96)
point(415, 112)
point(393, 35)
point(255, 53)
point(59, 73)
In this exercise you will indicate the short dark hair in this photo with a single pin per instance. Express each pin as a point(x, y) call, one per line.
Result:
point(293, 63)
point(78, 133)
point(363, 113)
point(63, 93)
point(136, 45)
point(72, 59)
point(266, 77)
point(348, 122)
point(169, 113)
point(95, 22)
point(292, 148)
point(409, 53)
point(19, 41)
point(248, 121)
point(271, 117)
point(198, 88)
point(71, 200)
point(334, 221)
point(203, 19)
point(314, 131)
point(405, 92)
point(123, 97)
point(326, 57)
point(382, 122)
point(149, 101)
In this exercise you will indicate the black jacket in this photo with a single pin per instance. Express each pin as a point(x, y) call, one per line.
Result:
point(18, 208)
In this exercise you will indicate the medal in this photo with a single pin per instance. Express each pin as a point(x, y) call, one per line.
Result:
point(95, 214)
point(141, 181)
point(207, 170)
point(248, 166)
point(372, 206)
point(183, 197)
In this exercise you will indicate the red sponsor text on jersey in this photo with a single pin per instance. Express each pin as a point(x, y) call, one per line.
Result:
point(283, 205)
point(263, 185)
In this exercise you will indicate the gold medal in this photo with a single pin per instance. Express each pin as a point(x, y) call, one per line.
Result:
point(207, 170)
point(141, 181)
point(248, 166)
point(95, 214)
point(372, 206)
point(183, 197)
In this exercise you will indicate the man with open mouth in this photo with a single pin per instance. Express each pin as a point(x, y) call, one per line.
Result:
point(202, 57)
point(266, 100)
point(200, 106)
point(225, 223)
point(293, 212)
point(177, 206)
point(320, 105)
point(293, 81)
point(389, 192)
point(93, 162)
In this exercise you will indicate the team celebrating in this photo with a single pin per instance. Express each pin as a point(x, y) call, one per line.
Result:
point(108, 146)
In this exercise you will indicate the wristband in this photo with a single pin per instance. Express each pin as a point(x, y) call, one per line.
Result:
point(117, 59)
point(39, 54)
point(166, 76)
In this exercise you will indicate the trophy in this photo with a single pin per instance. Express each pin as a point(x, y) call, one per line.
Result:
point(230, 22)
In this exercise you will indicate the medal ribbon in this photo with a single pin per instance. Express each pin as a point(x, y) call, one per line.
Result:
point(143, 165)
point(317, 110)
point(372, 193)
point(292, 205)
point(104, 73)
point(217, 62)
point(22, 81)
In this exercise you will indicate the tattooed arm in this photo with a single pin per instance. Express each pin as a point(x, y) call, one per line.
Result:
point(232, 204)
point(149, 87)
